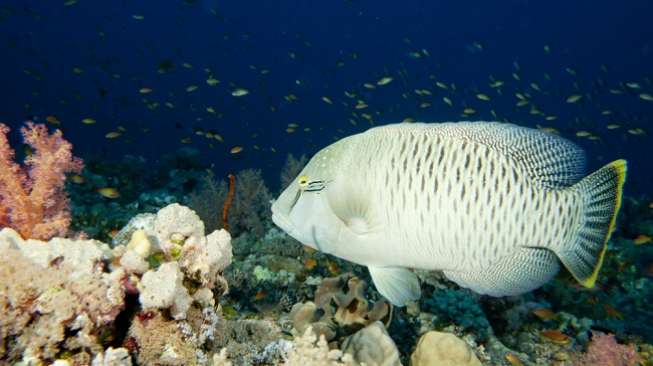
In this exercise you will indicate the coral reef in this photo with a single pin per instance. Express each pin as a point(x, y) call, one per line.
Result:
point(604, 350)
point(340, 309)
point(250, 208)
point(372, 346)
point(33, 200)
point(55, 297)
point(445, 349)
point(459, 306)
point(75, 299)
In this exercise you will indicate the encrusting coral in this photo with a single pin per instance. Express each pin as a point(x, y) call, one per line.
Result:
point(62, 300)
point(55, 297)
point(340, 308)
point(32, 197)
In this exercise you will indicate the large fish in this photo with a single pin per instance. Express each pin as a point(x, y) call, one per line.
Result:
point(493, 205)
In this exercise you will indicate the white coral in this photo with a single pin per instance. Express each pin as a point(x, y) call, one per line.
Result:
point(163, 289)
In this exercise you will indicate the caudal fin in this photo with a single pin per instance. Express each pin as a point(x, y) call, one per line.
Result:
point(601, 196)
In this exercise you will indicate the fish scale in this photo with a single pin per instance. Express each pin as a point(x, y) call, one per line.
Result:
point(493, 205)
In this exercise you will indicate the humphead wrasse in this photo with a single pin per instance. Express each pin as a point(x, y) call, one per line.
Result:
point(494, 206)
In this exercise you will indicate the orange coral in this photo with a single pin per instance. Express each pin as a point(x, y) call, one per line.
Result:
point(227, 202)
point(32, 197)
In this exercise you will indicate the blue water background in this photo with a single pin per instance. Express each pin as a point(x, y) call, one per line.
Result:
point(372, 38)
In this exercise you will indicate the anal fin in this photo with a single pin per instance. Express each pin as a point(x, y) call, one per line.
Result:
point(398, 285)
point(522, 271)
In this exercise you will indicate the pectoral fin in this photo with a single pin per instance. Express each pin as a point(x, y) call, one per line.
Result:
point(398, 285)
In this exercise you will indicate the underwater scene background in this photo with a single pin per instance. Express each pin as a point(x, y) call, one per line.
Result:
point(163, 100)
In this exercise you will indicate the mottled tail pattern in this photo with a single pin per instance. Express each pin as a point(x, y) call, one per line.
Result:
point(601, 194)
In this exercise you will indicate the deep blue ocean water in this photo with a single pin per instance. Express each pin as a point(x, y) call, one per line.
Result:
point(315, 49)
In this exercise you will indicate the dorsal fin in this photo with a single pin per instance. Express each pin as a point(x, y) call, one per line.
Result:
point(550, 160)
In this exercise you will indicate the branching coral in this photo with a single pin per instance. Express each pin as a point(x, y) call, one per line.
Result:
point(32, 197)
point(249, 210)
point(291, 168)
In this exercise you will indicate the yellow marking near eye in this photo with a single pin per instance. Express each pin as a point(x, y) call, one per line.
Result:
point(303, 181)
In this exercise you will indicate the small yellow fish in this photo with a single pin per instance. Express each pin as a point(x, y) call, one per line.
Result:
point(448, 101)
point(545, 314)
point(236, 149)
point(113, 134)
point(514, 360)
point(555, 336)
point(145, 90)
point(583, 133)
point(53, 120)
point(240, 92)
point(88, 121)
point(646, 96)
point(441, 85)
point(327, 100)
point(496, 84)
point(77, 179)
point(611, 312)
point(613, 126)
point(369, 86)
point(310, 263)
point(549, 129)
point(109, 192)
point(636, 131)
point(138, 17)
point(469, 111)
point(212, 81)
point(384, 81)
point(360, 105)
point(642, 239)
point(191, 88)
point(574, 98)
point(483, 97)
point(260, 295)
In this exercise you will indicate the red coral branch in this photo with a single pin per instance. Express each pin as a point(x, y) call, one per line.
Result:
point(32, 197)
point(228, 201)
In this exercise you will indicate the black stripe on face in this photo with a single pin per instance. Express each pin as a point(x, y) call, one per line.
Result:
point(315, 186)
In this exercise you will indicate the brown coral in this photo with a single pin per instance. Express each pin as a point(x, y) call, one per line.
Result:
point(340, 307)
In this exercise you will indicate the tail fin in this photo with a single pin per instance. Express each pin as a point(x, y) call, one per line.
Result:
point(601, 195)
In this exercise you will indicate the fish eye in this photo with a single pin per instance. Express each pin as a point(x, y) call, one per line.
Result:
point(303, 181)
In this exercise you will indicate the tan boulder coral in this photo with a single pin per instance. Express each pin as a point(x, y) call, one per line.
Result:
point(372, 346)
point(442, 349)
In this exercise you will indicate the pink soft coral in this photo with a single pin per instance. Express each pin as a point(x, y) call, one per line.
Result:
point(32, 197)
point(604, 350)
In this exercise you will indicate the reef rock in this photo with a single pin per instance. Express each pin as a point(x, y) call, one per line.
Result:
point(442, 349)
point(164, 288)
point(372, 346)
point(56, 296)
